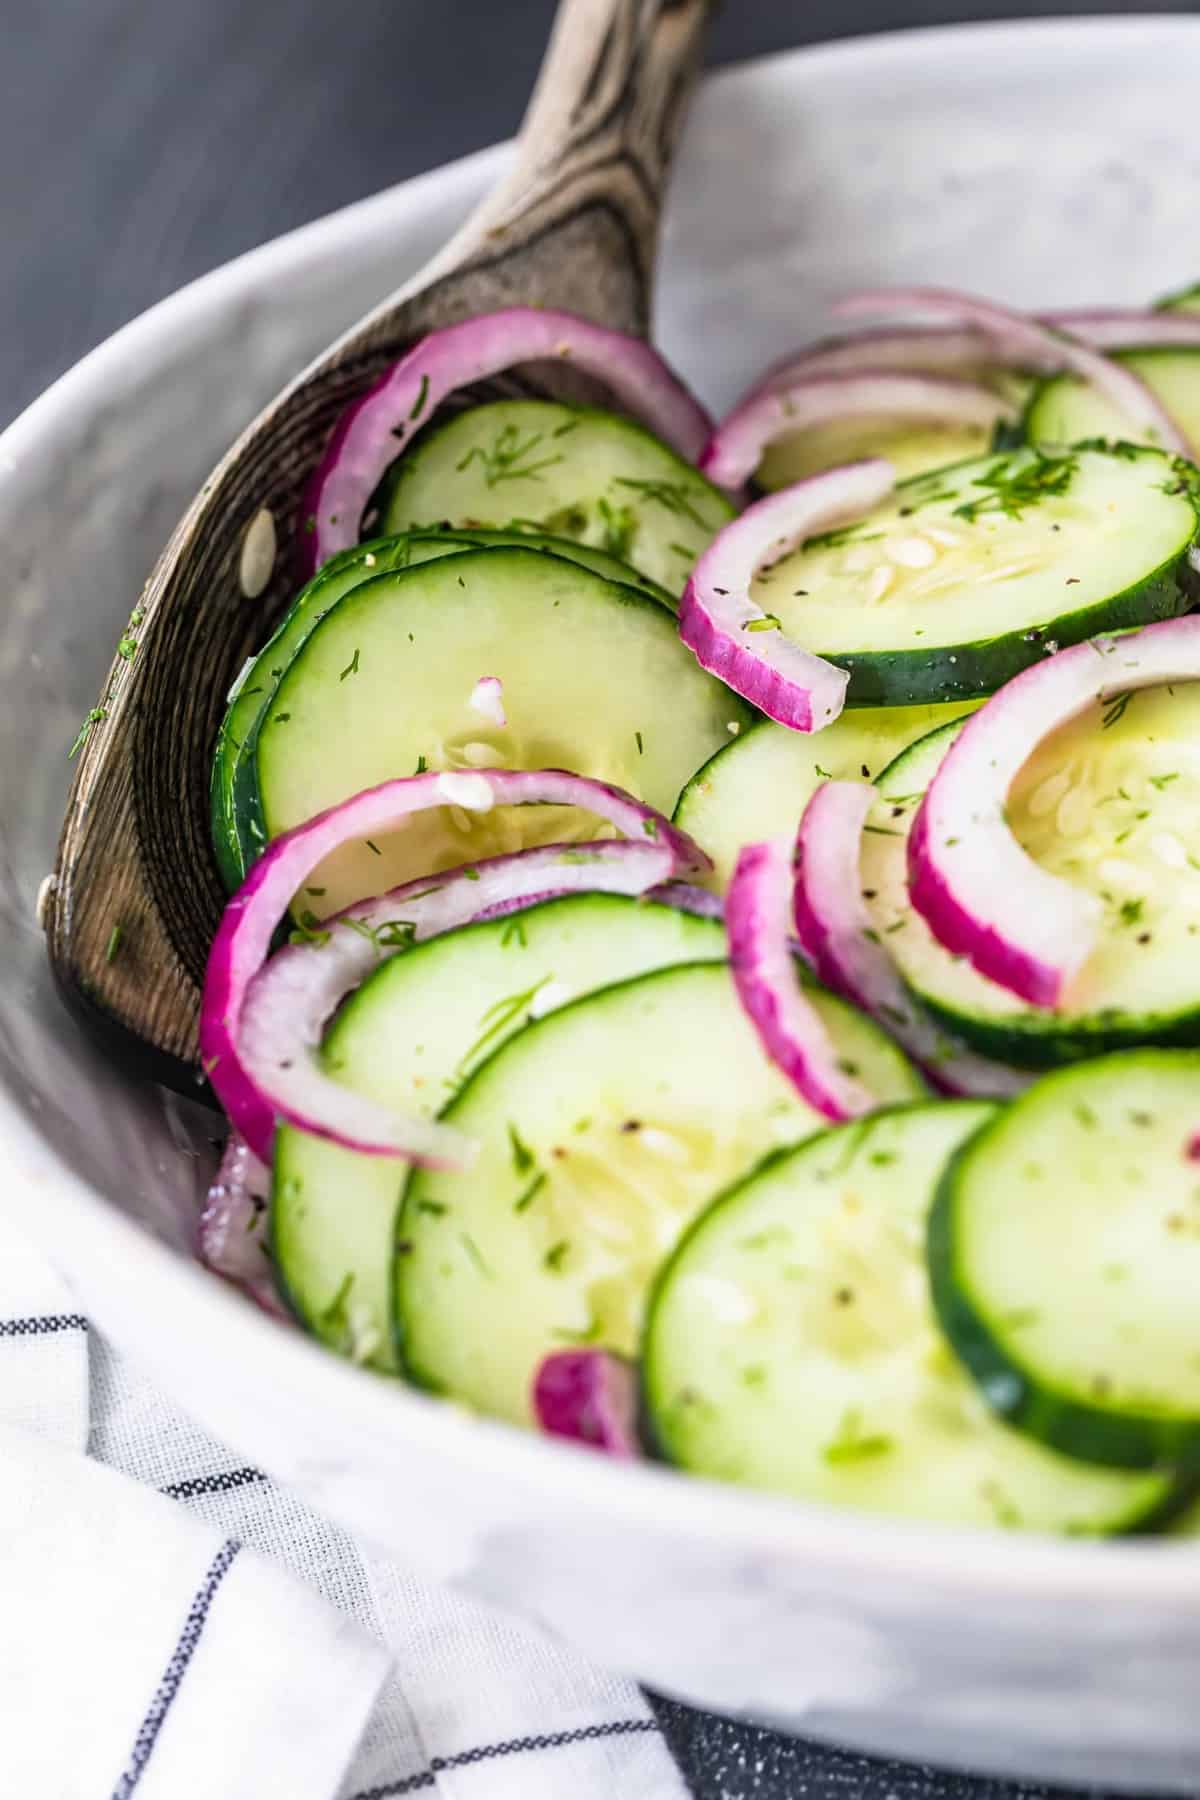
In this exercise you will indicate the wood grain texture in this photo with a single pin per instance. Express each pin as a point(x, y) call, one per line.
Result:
point(574, 226)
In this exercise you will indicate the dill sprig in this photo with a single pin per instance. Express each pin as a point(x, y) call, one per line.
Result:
point(497, 1021)
point(393, 934)
point(675, 496)
point(96, 717)
point(852, 1443)
point(1015, 484)
point(620, 524)
point(309, 930)
point(1114, 709)
point(508, 457)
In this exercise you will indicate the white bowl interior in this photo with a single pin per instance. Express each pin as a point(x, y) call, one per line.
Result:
point(1048, 165)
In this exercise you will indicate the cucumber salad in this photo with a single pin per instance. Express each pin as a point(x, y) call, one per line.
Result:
point(714, 910)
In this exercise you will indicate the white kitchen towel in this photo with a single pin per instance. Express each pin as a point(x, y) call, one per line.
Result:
point(43, 1348)
point(217, 1637)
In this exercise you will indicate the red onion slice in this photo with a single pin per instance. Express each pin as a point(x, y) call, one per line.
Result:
point(982, 896)
point(736, 447)
point(1128, 328)
point(232, 1230)
point(916, 350)
point(289, 1003)
point(1038, 348)
point(590, 1397)
point(700, 902)
point(243, 939)
point(374, 431)
point(758, 911)
point(732, 637)
point(684, 896)
point(835, 928)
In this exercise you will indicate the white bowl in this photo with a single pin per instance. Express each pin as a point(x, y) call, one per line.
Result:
point(1051, 163)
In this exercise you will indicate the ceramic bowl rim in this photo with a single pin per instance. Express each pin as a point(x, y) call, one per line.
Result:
point(73, 1212)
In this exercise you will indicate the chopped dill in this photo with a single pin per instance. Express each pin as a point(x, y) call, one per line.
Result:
point(1015, 484)
point(393, 934)
point(523, 1158)
point(852, 1444)
point(96, 717)
point(497, 1020)
point(1115, 711)
point(620, 527)
point(309, 930)
point(418, 405)
point(531, 1192)
point(675, 496)
point(509, 458)
point(475, 1253)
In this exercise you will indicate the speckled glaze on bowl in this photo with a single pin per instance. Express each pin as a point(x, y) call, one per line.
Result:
point(1055, 163)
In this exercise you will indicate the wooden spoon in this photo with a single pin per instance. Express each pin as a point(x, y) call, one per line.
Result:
point(137, 895)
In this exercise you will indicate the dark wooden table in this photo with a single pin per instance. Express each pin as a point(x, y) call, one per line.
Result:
point(144, 141)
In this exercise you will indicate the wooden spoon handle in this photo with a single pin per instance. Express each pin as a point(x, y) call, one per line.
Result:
point(613, 82)
point(573, 226)
point(593, 156)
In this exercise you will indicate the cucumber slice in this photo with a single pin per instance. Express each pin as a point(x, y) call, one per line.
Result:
point(1110, 802)
point(910, 772)
point(1063, 410)
point(408, 1037)
point(962, 577)
point(757, 786)
point(594, 679)
point(1187, 1522)
point(1064, 1253)
point(911, 449)
point(1186, 299)
point(233, 775)
point(602, 1130)
point(790, 1344)
point(589, 475)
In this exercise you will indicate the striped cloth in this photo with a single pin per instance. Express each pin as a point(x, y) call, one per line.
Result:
point(174, 1626)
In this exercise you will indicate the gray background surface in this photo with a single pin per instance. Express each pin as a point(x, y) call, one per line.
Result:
point(144, 141)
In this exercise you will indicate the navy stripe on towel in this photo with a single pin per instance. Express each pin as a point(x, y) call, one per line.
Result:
point(42, 1325)
point(554, 1740)
point(222, 1483)
point(176, 1669)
